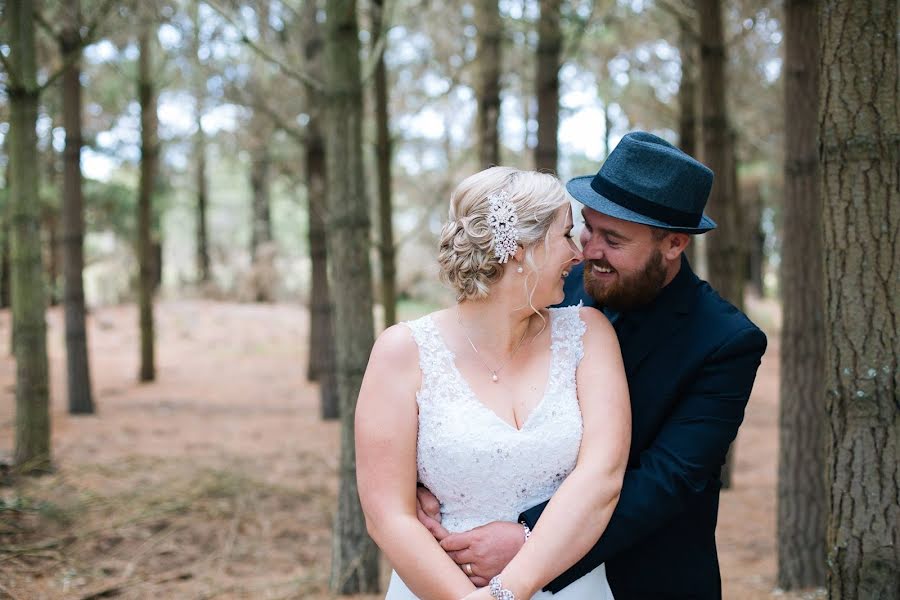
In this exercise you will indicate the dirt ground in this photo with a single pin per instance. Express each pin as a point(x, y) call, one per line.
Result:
point(219, 480)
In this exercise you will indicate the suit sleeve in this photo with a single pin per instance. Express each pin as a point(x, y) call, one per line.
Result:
point(686, 456)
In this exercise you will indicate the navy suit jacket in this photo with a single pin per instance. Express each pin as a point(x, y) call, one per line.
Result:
point(690, 359)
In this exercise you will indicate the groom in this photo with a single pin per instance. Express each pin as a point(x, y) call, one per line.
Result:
point(690, 359)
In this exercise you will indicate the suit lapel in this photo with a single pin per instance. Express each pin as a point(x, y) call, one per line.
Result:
point(658, 322)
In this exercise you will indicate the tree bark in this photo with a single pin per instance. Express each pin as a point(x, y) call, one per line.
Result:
point(260, 173)
point(32, 448)
point(261, 159)
point(4, 257)
point(687, 89)
point(79, 379)
point(754, 238)
point(488, 40)
point(801, 458)
point(51, 227)
point(726, 266)
point(321, 366)
point(724, 256)
point(354, 567)
point(384, 152)
point(202, 189)
point(549, 51)
point(607, 126)
point(859, 129)
point(688, 107)
point(149, 160)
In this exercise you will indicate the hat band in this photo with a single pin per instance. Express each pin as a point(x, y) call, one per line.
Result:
point(633, 202)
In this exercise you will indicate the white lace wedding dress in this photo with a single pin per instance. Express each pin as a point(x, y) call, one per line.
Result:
point(481, 468)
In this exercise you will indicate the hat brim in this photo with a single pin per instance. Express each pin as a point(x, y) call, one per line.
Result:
point(580, 189)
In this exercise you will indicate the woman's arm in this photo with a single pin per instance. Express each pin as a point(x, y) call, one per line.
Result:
point(581, 508)
point(386, 429)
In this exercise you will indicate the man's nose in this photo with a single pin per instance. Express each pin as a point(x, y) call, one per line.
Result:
point(591, 249)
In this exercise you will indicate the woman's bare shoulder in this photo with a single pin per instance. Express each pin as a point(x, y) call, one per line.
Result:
point(395, 343)
point(596, 322)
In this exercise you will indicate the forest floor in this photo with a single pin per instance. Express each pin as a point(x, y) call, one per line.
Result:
point(219, 479)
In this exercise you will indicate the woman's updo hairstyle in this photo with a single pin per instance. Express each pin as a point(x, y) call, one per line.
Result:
point(466, 254)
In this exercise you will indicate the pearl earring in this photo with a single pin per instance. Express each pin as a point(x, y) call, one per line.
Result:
point(520, 269)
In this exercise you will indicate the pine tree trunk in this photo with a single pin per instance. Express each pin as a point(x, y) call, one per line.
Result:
point(145, 247)
point(384, 154)
point(321, 341)
point(4, 256)
point(203, 266)
point(260, 157)
point(79, 379)
point(260, 173)
point(32, 449)
point(687, 90)
point(203, 274)
point(687, 107)
point(489, 38)
point(726, 266)
point(607, 127)
point(723, 248)
point(549, 50)
point(801, 461)
point(51, 227)
point(321, 366)
point(755, 239)
point(354, 567)
point(5, 232)
point(859, 129)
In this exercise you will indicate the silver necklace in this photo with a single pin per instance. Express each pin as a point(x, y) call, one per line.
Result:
point(495, 373)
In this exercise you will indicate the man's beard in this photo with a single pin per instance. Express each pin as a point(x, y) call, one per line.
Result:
point(627, 293)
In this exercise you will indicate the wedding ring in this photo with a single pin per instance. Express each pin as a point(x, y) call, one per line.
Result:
point(468, 569)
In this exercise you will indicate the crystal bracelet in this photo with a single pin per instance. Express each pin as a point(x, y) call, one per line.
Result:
point(498, 591)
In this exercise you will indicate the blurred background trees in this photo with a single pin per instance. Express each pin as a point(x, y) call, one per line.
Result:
point(240, 151)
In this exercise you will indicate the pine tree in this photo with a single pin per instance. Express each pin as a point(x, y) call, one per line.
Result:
point(354, 564)
point(859, 129)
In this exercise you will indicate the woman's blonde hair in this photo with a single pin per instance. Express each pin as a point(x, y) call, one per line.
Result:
point(466, 255)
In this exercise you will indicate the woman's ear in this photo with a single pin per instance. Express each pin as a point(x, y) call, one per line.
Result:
point(519, 256)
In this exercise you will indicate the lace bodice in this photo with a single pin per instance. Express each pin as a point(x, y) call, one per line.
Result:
point(480, 467)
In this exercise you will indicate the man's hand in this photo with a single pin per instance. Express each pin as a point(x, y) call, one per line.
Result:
point(486, 549)
point(428, 510)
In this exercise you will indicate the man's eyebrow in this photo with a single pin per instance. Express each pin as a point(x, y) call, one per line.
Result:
point(605, 231)
point(614, 233)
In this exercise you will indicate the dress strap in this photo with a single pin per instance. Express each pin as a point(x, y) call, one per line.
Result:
point(433, 354)
point(567, 333)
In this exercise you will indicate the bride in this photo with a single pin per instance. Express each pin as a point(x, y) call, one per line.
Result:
point(497, 403)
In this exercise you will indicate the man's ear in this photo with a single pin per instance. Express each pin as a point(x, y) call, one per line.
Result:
point(674, 244)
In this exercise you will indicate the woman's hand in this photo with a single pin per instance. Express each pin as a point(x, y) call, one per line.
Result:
point(479, 594)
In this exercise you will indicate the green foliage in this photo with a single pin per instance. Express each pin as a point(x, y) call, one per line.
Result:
point(109, 206)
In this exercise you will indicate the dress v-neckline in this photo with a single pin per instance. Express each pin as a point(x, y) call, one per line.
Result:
point(470, 393)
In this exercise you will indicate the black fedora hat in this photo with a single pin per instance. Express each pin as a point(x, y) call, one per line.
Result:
point(647, 180)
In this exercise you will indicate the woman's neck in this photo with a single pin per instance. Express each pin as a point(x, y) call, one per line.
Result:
point(494, 326)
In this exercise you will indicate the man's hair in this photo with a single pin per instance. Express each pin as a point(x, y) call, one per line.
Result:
point(659, 233)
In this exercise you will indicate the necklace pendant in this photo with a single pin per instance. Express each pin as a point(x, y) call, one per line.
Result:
point(494, 377)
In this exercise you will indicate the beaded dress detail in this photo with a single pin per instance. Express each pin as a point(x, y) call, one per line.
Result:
point(480, 467)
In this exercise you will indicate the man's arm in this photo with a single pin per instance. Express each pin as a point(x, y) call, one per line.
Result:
point(684, 458)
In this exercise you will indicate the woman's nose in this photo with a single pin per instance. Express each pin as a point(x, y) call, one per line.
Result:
point(577, 255)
